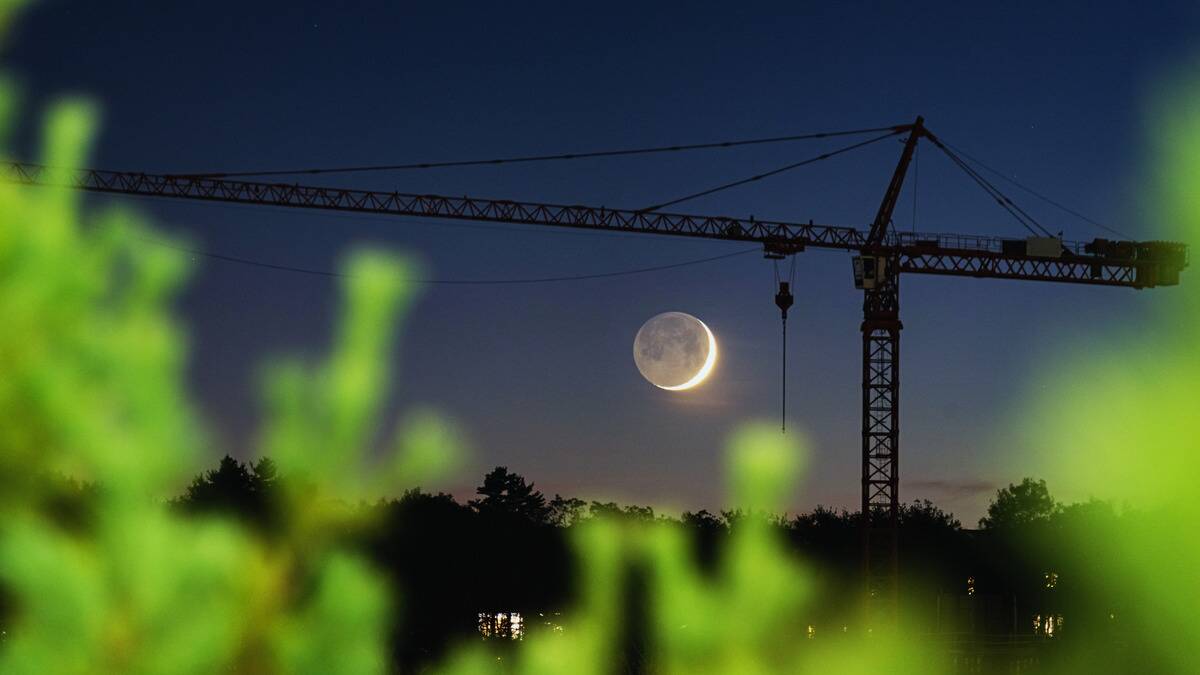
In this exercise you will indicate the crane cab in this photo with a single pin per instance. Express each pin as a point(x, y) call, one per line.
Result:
point(870, 271)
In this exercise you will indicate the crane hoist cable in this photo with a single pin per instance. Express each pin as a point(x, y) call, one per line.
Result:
point(784, 300)
point(537, 158)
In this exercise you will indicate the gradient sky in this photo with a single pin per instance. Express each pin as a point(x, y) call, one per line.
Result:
point(541, 377)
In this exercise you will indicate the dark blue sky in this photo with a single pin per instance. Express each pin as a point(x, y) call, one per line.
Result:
point(542, 377)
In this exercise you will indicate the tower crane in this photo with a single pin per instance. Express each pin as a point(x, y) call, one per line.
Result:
point(881, 256)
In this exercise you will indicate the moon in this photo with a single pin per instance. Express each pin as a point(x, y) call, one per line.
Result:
point(675, 351)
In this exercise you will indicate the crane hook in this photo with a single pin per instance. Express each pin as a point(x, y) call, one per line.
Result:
point(783, 299)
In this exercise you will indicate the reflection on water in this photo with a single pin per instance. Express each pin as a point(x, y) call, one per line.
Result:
point(513, 625)
point(1048, 626)
point(507, 625)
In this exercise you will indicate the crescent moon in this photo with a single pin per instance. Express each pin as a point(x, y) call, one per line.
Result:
point(709, 362)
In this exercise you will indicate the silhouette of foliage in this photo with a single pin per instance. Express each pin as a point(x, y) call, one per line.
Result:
point(235, 488)
point(566, 511)
point(454, 559)
point(1026, 503)
point(504, 493)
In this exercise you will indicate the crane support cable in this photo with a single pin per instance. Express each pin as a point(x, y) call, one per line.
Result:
point(1004, 202)
point(541, 158)
point(1027, 221)
point(460, 282)
point(768, 174)
point(916, 184)
point(1058, 205)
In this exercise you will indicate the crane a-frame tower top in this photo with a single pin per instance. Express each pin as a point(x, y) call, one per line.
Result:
point(883, 256)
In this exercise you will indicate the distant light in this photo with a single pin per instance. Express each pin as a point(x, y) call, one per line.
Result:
point(1051, 626)
point(501, 625)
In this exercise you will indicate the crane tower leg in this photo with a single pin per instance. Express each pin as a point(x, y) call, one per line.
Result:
point(881, 449)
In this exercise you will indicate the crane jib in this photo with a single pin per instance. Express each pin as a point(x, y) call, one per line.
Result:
point(1100, 262)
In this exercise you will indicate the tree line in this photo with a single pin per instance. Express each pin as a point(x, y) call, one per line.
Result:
point(508, 549)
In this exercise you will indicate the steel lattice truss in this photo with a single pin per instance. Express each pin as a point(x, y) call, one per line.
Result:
point(1083, 269)
point(880, 426)
point(955, 255)
point(881, 444)
point(436, 206)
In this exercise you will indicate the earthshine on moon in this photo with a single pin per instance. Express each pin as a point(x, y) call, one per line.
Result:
point(675, 351)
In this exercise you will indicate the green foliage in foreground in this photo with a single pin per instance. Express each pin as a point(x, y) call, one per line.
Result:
point(92, 365)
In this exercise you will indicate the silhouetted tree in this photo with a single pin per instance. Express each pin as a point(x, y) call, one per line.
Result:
point(1016, 547)
point(427, 543)
point(616, 511)
point(830, 542)
point(507, 550)
point(733, 517)
point(505, 492)
point(823, 519)
point(234, 488)
point(932, 554)
point(1085, 552)
point(635, 512)
point(922, 514)
point(1017, 505)
point(703, 521)
point(566, 511)
point(1094, 514)
point(708, 531)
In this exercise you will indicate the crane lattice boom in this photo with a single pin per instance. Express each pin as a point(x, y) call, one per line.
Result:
point(1101, 262)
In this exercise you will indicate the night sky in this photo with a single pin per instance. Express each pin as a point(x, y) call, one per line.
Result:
point(541, 377)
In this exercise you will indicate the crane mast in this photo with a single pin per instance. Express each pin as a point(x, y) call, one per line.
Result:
point(882, 256)
point(881, 398)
